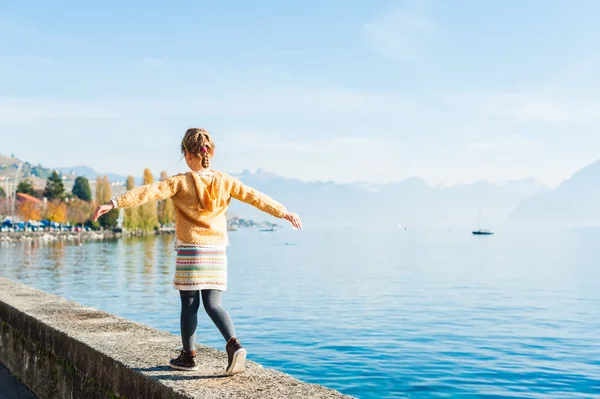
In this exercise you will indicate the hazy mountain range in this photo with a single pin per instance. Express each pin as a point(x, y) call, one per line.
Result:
point(412, 202)
point(91, 174)
point(408, 202)
point(576, 200)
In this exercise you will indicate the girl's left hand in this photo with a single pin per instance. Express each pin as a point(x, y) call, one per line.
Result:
point(293, 219)
point(101, 210)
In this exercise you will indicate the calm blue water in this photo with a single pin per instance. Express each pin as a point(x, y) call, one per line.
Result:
point(374, 314)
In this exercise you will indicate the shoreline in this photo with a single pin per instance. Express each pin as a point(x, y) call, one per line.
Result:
point(12, 236)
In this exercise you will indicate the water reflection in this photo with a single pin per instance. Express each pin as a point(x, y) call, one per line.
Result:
point(377, 315)
point(127, 254)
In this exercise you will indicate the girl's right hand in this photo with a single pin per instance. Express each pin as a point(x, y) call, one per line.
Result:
point(293, 219)
point(101, 210)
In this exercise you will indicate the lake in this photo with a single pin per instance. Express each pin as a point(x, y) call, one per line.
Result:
point(371, 313)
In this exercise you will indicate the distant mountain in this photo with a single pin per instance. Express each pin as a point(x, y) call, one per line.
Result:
point(365, 186)
point(89, 173)
point(576, 200)
point(409, 202)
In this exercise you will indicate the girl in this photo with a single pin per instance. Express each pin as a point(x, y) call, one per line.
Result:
point(201, 198)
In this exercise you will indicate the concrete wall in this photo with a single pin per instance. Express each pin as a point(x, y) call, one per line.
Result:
point(60, 349)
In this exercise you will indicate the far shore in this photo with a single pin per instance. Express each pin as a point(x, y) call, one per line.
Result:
point(12, 236)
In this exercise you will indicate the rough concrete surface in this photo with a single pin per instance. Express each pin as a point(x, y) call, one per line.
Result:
point(11, 387)
point(61, 349)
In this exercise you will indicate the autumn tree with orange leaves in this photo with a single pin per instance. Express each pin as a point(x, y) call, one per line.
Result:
point(79, 211)
point(56, 211)
point(148, 212)
point(29, 210)
point(131, 219)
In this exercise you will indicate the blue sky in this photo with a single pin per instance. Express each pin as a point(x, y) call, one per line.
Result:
point(353, 90)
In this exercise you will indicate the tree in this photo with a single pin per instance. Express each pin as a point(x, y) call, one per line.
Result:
point(131, 219)
point(55, 188)
point(5, 209)
point(130, 183)
point(29, 210)
point(56, 211)
point(100, 196)
point(148, 215)
point(79, 211)
point(81, 189)
point(2, 193)
point(26, 187)
point(103, 195)
point(166, 211)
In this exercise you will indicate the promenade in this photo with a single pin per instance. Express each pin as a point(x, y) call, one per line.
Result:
point(61, 349)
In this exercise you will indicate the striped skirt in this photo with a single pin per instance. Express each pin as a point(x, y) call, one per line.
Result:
point(201, 267)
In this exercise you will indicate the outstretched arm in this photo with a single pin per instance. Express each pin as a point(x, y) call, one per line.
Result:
point(241, 192)
point(140, 195)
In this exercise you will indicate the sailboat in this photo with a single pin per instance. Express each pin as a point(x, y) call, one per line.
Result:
point(270, 228)
point(480, 231)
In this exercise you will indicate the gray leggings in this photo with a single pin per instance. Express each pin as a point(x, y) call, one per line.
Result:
point(190, 303)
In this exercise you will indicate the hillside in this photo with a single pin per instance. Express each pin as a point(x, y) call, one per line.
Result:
point(577, 200)
point(36, 173)
point(39, 174)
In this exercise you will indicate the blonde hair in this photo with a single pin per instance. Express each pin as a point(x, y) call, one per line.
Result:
point(199, 143)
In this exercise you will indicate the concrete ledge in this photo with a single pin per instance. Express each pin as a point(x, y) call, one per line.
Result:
point(61, 349)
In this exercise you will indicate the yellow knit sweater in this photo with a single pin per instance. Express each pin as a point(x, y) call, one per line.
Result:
point(200, 203)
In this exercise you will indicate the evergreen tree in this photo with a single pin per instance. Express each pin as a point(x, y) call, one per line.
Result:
point(2, 193)
point(26, 187)
point(166, 211)
point(131, 220)
point(81, 189)
point(148, 214)
point(55, 188)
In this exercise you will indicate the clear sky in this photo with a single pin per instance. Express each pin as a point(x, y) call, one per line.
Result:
point(344, 90)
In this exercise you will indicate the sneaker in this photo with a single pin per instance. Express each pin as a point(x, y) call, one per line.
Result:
point(237, 357)
point(185, 361)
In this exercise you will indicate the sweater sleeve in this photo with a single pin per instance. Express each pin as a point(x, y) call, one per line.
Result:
point(150, 192)
point(241, 192)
